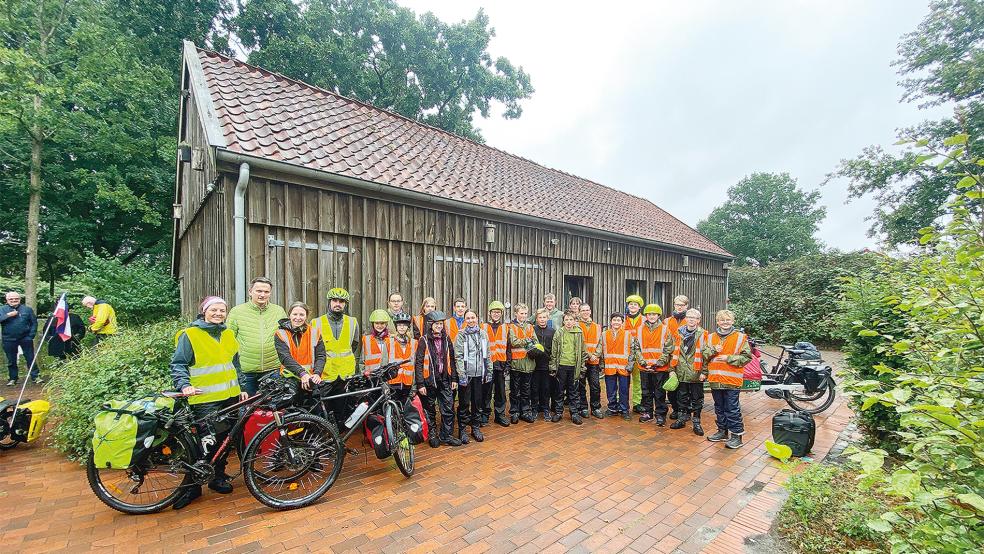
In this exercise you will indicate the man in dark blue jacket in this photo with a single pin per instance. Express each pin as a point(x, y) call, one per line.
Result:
point(19, 325)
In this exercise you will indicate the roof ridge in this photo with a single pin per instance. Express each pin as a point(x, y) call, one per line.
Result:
point(422, 124)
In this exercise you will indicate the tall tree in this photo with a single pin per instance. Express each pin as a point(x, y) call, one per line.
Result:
point(384, 54)
point(940, 63)
point(766, 218)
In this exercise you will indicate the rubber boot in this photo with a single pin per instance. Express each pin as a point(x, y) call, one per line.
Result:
point(698, 429)
point(477, 433)
point(680, 422)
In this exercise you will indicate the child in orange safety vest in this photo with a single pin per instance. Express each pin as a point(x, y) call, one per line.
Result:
point(619, 351)
point(726, 353)
point(657, 347)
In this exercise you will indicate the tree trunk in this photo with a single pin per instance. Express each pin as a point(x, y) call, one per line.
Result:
point(33, 215)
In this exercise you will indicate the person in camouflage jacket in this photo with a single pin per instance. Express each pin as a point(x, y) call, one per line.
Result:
point(691, 370)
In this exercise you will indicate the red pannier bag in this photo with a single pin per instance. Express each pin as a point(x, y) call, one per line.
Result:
point(415, 420)
point(257, 420)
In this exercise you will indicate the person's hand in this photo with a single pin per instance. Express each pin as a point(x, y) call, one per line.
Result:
point(703, 377)
point(243, 396)
point(422, 391)
point(306, 381)
point(12, 313)
point(316, 379)
point(718, 348)
point(454, 386)
point(190, 391)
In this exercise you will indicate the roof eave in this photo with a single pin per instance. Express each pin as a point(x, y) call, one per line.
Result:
point(203, 100)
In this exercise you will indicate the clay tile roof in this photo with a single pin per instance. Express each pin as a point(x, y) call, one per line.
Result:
point(265, 114)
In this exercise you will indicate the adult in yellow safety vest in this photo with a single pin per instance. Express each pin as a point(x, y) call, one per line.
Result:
point(340, 333)
point(205, 367)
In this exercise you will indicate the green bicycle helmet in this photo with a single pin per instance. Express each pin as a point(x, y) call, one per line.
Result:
point(338, 293)
point(496, 305)
point(379, 316)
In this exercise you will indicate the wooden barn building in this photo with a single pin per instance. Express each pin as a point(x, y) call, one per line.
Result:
point(315, 190)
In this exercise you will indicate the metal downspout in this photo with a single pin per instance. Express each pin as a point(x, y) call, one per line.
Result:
point(239, 231)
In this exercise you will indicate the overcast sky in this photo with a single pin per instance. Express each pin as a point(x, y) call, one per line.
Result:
point(676, 101)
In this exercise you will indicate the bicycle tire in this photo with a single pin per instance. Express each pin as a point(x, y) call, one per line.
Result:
point(403, 449)
point(257, 480)
point(831, 392)
point(183, 454)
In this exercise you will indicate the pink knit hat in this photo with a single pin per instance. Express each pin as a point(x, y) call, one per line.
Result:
point(209, 300)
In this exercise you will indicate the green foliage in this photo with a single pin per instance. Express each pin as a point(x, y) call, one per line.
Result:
point(941, 62)
point(125, 366)
point(139, 291)
point(382, 53)
point(934, 381)
point(790, 301)
point(766, 219)
point(825, 512)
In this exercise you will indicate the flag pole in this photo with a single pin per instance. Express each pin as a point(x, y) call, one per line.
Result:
point(34, 362)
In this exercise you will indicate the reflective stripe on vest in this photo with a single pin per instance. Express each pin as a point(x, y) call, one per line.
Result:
point(403, 352)
point(519, 332)
point(719, 371)
point(302, 353)
point(212, 371)
point(338, 350)
point(372, 352)
point(592, 334)
point(497, 341)
point(617, 350)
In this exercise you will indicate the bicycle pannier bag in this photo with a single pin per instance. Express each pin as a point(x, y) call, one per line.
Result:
point(258, 420)
point(376, 435)
point(795, 429)
point(415, 420)
point(813, 377)
point(126, 431)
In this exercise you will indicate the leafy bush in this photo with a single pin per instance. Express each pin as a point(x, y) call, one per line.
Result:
point(936, 381)
point(794, 300)
point(127, 365)
point(825, 512)
point(139, 291)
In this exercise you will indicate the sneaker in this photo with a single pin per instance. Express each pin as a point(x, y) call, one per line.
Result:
point(514, 419)
point(556, 417)
point(576, 418)
point(678, 424)
point(698, 429)
point(611, 412)
point(528, 417)
point(463, 437)
point(721, 435)
point(584, 412)
point(660, 420)
point(12, 383)
point(637, 408)
point(434, 442)
point(734, 442)
point(191, 494)
point(626, 416)
point(646, 418)
point(598, 414)
point(502, 421)
point(38, 381)
point(220, 485)
point(477, 434)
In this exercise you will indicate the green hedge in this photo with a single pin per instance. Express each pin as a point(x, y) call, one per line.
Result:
point(125, 366)
point(140, 291)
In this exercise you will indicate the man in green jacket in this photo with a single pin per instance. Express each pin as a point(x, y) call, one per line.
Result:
point(254, 324)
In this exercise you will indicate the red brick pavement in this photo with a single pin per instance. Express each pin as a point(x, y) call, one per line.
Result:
point(607, 486)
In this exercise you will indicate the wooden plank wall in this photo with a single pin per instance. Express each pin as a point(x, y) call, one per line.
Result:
point(309, 238)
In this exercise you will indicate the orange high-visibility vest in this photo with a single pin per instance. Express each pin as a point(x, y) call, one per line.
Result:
point(372, 352)
point(698, 347)
point(302, 353)
point(453, 328)
point(592, 334)
point(632, 324)
point(447, 358)
point(406, 352)
point(497, 341)
point(673, 324)
point(519, 354)
point(617, 350)
point(418, 321)
point(719, 371)
point(651, 342)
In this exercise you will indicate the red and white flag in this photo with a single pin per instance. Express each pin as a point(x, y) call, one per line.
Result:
point(63, 325)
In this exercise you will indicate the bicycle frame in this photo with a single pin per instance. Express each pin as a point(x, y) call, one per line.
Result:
point(383, 388)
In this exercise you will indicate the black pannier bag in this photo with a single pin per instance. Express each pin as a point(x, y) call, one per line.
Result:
point(795, 429)
point(811, 375)
point(809, 352)
point(376, 435)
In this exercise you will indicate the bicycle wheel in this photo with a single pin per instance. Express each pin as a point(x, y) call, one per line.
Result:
point(816, 402)
point(298, 466)
point(149, 486)
point(403, 451)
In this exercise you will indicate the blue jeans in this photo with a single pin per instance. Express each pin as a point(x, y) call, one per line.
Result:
point(727, 410)
point(617, 387)
point(251, 381)
point(10, 349)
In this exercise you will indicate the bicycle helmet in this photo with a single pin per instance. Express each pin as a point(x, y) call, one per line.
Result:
point(634, 298)
point(436, 315)
point(402, 317)
point(338, 293)
point(652, 309)
point(496, 305)
point(379, 316)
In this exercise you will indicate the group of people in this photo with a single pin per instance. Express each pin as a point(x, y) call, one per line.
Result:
point(499, 371)
point(19, 327)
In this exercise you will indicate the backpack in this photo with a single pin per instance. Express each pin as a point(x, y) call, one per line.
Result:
point(125, 431)
point(415, 420)
point(376, 435)
point(795, 429)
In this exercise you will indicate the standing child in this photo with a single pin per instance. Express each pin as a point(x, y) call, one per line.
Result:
point(632, 322)
point(375, 343)
point(691, 371)
point(727, 352)
point(474, 365)
point(495, 391)
point(436, 379)
point(521, 338)
point(656, 343)
point(590, 380)
point(427, 306)
point(544, 385)
point(680, 306)
point(403, 348)
point(567, 363)
point(618, 352)
point(457, 319)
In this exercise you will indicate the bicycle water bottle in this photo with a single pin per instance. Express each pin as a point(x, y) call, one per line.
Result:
point(360, 410)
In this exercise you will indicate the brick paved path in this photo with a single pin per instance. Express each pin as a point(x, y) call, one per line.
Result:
point(607, 486)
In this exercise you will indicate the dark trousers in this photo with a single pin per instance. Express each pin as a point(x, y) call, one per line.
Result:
point(519, 392)
point(691, 399)
point(210, 437)
point(495, 390)
point(617, 387)
point(10, 349)
point(590, 380)
point(727, 410)
point(566, 390)
point(673, 398)
point(470, 399)
point(251, 382)
point(445, 403)
point(542, 391)
point(653, 395)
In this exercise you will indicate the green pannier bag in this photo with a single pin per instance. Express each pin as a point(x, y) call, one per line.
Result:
point(126, 431)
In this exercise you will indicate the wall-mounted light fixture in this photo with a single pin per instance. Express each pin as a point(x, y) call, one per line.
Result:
point(489, 233)
point(184, 153)
point(608, 247)
point(686, 261)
